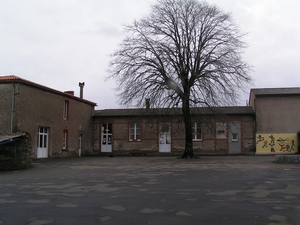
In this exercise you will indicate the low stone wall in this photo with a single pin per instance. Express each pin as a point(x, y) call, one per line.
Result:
point(288, 158)
point(16, 155)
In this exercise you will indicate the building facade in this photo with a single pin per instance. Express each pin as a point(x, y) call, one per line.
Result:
point(277, 119)
point(60, 124)
point(224, 130)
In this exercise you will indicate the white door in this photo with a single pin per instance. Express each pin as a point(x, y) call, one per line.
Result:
point(164, 137)
point(42, 148)
point(80, 144)
point(106, 141)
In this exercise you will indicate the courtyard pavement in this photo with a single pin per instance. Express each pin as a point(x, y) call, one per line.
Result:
point(152, 190)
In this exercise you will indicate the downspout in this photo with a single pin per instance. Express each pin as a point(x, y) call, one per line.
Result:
point(91, 143)
point(12, 109)
point(255, 123)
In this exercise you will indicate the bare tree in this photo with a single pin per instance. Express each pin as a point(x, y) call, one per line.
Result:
point(184, 54)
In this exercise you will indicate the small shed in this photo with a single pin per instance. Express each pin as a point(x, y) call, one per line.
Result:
point(15, 151)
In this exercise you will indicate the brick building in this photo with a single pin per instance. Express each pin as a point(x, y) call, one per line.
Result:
point(60, 124)
point(224, 130)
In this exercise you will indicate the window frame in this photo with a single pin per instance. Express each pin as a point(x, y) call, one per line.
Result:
point(137, 131)
point(66, 109)
point(234, 137)
point(43, 137)
point(65, 139)
point(221, 130)
point(195, 127)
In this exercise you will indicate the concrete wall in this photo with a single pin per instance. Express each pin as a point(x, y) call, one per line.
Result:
point(277, 123)
point(277, 114)
point(276, 143)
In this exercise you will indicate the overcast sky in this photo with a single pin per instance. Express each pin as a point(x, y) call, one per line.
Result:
point(58, 43)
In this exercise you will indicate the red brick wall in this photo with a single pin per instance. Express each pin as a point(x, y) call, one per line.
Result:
point(150, 133)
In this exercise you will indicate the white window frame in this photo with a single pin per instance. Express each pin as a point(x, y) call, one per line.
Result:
point(234, 136)
point(134, 131)
point(65, 140)
point(196, 134)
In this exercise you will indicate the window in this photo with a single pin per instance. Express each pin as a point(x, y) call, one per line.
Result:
point(65, 140)
point(66, 110)
point(134, 132)
point(220, 130)
point(80, 144)
point(234, 137)
point(107, 128)
point(42, 137)
point(197, 135)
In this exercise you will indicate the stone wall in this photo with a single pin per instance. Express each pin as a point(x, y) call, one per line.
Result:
point(7, 94)
point(16, 155)
point(287, 158)
point(46, 109)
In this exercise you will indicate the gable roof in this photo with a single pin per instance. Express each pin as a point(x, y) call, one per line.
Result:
point(16, 79)
point(230, 110)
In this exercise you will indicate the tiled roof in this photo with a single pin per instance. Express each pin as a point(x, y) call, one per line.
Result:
point(13, 78)
point(9, 78)
point(173, 111)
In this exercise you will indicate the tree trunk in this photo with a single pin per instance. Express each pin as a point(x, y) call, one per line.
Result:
point(188, 151)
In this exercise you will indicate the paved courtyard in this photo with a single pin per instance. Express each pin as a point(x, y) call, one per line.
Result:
point(152, 190)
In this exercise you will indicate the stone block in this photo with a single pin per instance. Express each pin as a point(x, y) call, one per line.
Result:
point(287, 158)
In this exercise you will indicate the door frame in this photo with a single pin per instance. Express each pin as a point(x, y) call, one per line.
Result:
point(234, 142)
point(107, 147)
point(164, 137)
point(43, 140)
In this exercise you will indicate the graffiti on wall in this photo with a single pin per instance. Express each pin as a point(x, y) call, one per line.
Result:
point(276, 143)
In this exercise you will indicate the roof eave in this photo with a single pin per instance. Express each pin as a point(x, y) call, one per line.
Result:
point(45, 88)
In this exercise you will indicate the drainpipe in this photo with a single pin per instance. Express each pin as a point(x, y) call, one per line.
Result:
point(12, 109)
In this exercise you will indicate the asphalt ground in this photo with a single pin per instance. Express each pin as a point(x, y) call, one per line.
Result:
point(152, 190)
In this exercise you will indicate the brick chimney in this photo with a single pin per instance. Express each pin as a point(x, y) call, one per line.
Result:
point(147, 103)
point(81, 85)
